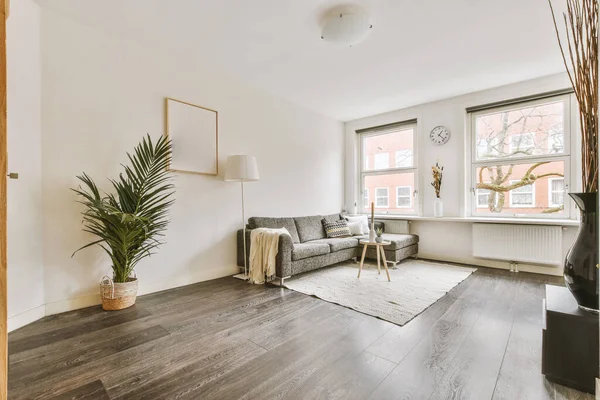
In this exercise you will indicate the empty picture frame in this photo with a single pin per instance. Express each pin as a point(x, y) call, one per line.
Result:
point(194, 134)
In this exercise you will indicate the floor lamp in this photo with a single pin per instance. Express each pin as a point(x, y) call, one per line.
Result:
point(242, 168)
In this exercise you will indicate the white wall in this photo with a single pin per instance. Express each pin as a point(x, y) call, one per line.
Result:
point(101, 94)
point(443, 240)
point(25, 270)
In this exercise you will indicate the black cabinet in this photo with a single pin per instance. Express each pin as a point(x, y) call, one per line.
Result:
point(569, 341)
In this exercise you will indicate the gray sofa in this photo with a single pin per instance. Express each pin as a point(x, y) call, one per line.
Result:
point(308, 248)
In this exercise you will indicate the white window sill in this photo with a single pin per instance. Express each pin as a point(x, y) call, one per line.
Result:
point(492, 220)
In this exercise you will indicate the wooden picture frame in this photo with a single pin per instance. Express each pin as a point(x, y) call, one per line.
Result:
point(194, 133)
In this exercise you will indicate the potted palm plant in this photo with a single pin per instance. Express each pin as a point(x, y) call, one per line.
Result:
point(129, 224)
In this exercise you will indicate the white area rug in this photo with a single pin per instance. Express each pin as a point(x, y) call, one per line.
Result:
point(415, 286)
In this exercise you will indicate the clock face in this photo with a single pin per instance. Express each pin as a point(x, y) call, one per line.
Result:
point(439, 135)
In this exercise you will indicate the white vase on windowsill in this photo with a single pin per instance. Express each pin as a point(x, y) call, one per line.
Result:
point(438, 208)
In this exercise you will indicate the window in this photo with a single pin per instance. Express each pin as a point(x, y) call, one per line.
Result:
point(403, 196)
point(522, 143)
point(556, 192)
point(515, 149)
point(483, 147)
point(382, 161)
point(382, 198)
point(483, 197)
point(392, 171)
point(522, 195)
point(404, 158)
point(555, 142)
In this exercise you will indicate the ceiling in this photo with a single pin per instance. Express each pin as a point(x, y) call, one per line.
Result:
point(418, 50)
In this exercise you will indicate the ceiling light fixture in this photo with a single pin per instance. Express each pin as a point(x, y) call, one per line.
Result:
point(346, 27)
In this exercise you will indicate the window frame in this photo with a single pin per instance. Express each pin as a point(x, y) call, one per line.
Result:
point(410, 197)
point(363, 173)
point(387, 203)
point(551, 192)
point(510, 196)
point(570, 162)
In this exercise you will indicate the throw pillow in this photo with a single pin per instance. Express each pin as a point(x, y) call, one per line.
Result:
point(355, 228)
point(364, 222)
point(337, 229)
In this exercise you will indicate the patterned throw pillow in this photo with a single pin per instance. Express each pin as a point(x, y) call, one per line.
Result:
point(337, 229)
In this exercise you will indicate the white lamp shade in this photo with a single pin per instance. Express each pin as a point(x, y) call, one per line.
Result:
point(241, 168)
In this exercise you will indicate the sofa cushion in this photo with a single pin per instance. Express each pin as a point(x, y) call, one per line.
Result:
point(274, 223)
point(306, 250)
point(398, 241)
point(338, 243)
point(310, 228)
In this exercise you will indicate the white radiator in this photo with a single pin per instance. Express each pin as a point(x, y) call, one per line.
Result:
point(395, 226)
point(536, 244)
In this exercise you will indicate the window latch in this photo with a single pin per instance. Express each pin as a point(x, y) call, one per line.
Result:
point(415, 193)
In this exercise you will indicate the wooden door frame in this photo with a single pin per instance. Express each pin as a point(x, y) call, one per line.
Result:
point(4, 8)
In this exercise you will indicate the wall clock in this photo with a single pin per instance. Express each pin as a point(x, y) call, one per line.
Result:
point(439, 135)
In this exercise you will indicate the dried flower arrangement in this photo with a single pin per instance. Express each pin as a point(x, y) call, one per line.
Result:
point(436, 170)
point(581, 61)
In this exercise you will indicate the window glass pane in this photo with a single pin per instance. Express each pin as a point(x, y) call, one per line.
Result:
point(397, 146)
point(557, 192)
point(366, 203)
point(524, 132)
point(403, 196)
point(403, 158)
point(483, 197)
point(393, 192)
point(520, 188)
point(382, 161)
point(382, 198)
point(555, 142)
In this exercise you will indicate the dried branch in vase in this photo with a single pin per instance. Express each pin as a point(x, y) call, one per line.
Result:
point(581, 62)
point(436, 170)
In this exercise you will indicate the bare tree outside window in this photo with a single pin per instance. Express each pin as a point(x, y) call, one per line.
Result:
point(533, 136)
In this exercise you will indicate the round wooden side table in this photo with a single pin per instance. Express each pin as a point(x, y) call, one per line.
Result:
point(379, 250)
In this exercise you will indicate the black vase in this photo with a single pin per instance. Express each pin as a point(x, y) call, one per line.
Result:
point(581, 263)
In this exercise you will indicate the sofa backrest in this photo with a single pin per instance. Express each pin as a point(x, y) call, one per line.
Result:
point(302, 229)
point(310, 228)
point(275, 223)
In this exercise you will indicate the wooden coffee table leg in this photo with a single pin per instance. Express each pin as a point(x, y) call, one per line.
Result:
point(362, 260)
point(378, 262)
point(385, 263)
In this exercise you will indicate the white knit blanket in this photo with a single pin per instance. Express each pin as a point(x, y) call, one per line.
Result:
point(264, 245)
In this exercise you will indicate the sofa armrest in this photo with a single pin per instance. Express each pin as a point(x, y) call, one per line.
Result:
point(240, 247)
point(283, 266)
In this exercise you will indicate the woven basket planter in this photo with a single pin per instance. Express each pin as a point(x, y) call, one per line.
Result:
point(117, 296)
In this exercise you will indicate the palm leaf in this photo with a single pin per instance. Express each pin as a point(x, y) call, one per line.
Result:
point(129, 222)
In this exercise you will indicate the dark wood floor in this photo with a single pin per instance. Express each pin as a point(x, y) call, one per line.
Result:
point(225, 339)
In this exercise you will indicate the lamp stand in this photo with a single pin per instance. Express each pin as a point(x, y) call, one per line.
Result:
point(243, 276)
